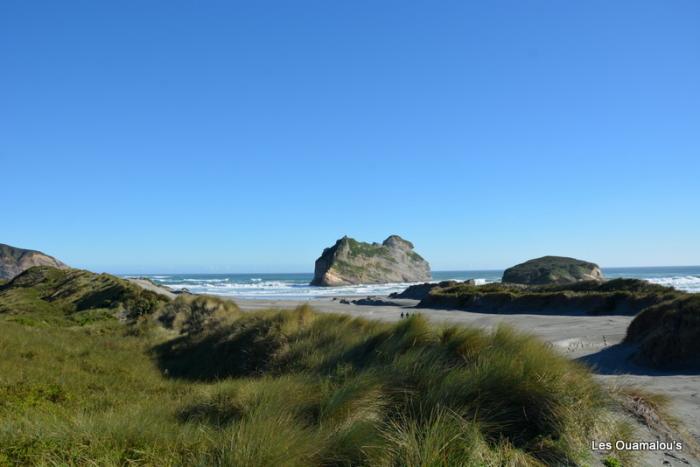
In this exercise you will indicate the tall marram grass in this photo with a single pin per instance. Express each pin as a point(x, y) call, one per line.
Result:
point(292, 388)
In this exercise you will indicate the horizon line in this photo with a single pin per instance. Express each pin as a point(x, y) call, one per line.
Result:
point(432, 271)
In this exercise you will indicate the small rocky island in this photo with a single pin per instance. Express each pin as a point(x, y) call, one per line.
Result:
point(556, 270)
point(351, 262)
point(14, 261)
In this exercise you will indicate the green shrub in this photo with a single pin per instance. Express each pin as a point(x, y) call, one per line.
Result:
point(194, 313)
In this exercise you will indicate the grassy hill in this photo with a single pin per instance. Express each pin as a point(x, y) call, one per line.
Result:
point(619, 296)
point(194, 381)
point(48, 295)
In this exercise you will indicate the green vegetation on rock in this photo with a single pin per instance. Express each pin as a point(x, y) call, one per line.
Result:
point(353, 262)
point(367, 249)
point(552, 270)
point(415, 256)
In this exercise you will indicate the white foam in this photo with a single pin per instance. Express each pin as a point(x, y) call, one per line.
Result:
point(208, 281)
point(686, 283)
point(259, 288)
point(298, 288)
point(291, 289)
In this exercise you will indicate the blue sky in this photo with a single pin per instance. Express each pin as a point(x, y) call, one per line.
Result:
point(246, 136)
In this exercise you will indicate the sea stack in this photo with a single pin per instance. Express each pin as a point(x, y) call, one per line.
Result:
point(351, 262)
point(558, 270)
point(14, 261)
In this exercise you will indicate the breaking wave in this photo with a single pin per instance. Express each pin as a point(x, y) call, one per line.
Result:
point(296, 286)
point(687, 283)
point(287, 290)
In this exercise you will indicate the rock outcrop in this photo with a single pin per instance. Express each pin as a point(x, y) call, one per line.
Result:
point(14, 261)
point(557, 270)
point(351, 262)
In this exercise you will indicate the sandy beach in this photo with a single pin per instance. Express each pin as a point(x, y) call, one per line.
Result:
point(594, 340)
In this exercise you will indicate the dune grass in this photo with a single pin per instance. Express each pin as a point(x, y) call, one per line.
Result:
point(196, 313)
point(668, 334)
point(631, 286)
point(290, 388)
point(618, 296)
point(46, 296)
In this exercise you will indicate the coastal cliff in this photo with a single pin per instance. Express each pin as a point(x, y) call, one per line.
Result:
point(14, 261)
point(352, 262)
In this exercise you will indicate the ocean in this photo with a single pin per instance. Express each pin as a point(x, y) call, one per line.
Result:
point(296, 286)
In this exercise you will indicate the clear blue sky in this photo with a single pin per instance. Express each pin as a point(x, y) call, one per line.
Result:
point(164, 136)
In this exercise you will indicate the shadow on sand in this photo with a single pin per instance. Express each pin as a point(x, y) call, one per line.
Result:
point(619, 360)
point(505, 311)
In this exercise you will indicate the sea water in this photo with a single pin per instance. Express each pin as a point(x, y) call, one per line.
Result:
point(295, 286)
